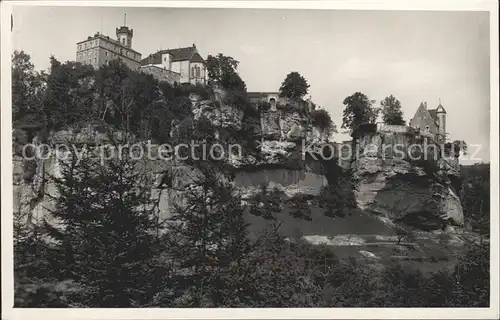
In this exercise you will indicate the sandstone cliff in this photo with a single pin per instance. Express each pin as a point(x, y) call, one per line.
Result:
point(387, 186)
point(418, 193)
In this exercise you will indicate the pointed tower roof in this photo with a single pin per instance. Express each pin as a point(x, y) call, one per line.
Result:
point(440, 108)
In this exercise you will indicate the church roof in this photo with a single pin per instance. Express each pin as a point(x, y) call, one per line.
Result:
point(181, 54)
point(197, 58)
point(154, 58)
point(433, 113)
point(440, 108)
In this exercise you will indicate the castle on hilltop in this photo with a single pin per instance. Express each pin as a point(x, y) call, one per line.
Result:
point(181, 65)
point(99, 49)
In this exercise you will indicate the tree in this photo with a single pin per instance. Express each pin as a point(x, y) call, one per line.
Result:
point(475, 196)
point(68, 97)
point(27, 89)
point(358, 111)
point(127, 99)
point(208, 243)
point(222, 70)
point(321, 119)
point(454, 148)
point(337, 198)
point(267, 203)
point(391, 111)
point(294, 86)
point(104, 231)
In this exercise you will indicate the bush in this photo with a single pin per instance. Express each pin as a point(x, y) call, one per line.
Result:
point(292, 106)
point(337, 198)
point(299, 205)
point(236, 98)
point(199, 89)
point(263, 106)
point(365, 129)
point(266, 203)
point(321, 119)
point(403, 233)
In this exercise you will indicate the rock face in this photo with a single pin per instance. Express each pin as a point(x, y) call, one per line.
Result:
point(388, 185)
point(292, 125)
point(222, 116)
point(291, 182)
point(402, 190)
point(270, 123)
point(31, 188)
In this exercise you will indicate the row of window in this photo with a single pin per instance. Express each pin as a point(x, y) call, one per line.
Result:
point(95, 53)
point(94, 60)
point(87, 45)
point(110, 46)
point(85, 53)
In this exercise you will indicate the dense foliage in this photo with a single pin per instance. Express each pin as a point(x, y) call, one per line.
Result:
point(475, 196)
point(72, 93)
point(321, 119)
point(103, 246)
point(103, 231)
point(222, 70)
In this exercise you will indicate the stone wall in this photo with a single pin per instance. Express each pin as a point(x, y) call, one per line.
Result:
point(162, 74)
point(382, 127)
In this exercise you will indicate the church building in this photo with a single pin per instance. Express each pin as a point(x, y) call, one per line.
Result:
point(430, 121)
point(181, 65)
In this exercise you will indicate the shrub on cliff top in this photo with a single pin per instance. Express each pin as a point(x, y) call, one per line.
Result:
point(321, 119)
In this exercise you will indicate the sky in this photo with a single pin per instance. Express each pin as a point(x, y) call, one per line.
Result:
point(416, 56)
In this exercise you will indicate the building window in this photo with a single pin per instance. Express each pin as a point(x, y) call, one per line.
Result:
point(198, 72)
point(106, 53)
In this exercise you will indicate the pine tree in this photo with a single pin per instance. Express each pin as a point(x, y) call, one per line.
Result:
point(208, 242)
point(105, 230)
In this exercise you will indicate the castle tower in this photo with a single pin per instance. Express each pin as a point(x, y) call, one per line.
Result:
point(124, 34)
point(441, 115)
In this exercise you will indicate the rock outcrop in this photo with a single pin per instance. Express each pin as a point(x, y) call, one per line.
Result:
point(402, 189)
point(219, 114)
point(290, 182)
point(388, 185)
